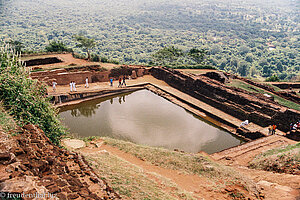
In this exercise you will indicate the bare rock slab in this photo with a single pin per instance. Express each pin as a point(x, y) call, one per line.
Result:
point(73, 143)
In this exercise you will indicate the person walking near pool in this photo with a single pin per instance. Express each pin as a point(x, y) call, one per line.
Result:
point(270, 130)
point(74, 86)
point(274, 129)
point(111, 81)
point(120, 82)
point(124, 81)
point(71, 86)
point(54, 86)
point(86, 82)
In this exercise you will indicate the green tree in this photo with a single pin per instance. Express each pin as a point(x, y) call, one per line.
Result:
point(243, 50)
point(17, 45)
point(249, 57)
point(273, 78)
point(55, 46)
point(85, 43)
point(197, 55)
point(243, 68)
point(167, 55)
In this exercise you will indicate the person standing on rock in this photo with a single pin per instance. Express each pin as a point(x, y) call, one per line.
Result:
point(111, 81)
point(86, 82)
point(124, 81)
point(120, 82)
point(54, 86)
point(74, 86)
point(71, 86)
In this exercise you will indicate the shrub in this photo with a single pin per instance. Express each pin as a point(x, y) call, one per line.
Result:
point(80, 56)
point(24, 98)
point(273, 78)
point(104, 59)
point(57, 47)
point(95, 58)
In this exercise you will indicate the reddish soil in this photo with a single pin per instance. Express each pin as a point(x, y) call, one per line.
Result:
point(30, 163)
point(273, 186)
point(67, 60)
point(200, 187)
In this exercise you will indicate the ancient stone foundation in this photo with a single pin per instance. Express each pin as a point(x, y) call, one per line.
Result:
point(236, 102)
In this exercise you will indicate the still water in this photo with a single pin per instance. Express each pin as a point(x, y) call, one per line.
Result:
point(143, 117)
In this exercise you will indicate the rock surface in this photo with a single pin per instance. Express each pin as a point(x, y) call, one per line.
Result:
point(73, 143)
point(236, 102)
point(30, 163)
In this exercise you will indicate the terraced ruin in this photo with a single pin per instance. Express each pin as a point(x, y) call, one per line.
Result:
point(209, 94)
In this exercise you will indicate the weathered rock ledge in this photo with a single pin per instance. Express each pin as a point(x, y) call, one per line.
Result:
point(236, 102)
point(30, 163)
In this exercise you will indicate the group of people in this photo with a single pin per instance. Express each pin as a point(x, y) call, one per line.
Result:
point(272, 129)
point(73, 86)
point(122, 81)
point(295, 126)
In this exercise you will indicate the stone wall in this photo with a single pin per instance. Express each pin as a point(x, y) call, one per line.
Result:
point(94, 74)
point(236, 102)
point(31, 164)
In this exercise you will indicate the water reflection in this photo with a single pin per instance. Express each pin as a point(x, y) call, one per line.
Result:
point(146, 118)
point(87, 111)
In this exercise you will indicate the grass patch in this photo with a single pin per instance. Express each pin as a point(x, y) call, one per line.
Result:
point(131, 182)
point(6, 121)
point(185, 162)
point(273, 86)
point(285, 159)
point(250, 88)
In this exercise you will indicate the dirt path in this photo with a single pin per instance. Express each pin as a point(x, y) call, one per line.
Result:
point(242, 154)
point(274, 186)
point(200, 187)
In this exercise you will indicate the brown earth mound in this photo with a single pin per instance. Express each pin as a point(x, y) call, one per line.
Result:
point(31, 164)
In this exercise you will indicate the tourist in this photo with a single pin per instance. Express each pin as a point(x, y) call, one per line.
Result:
point(244, 123)
point(86, 82)
point(111, 81)
point(274, 129)
point(74, 86)
point(124, 81)
point(270, 130)
point(295, 127)
point(71, 86)
point(54, 86)
point(120, 82)
point(291, 126)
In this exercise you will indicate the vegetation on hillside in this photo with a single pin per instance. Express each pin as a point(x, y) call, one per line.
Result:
point(249, 37)
point(6, 122)
point(251, 88)
point(85, 43)
point(24, 98)
point(285, 159)
point(55, 46)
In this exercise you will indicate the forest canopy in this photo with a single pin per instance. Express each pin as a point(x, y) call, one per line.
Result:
point(246, 37)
